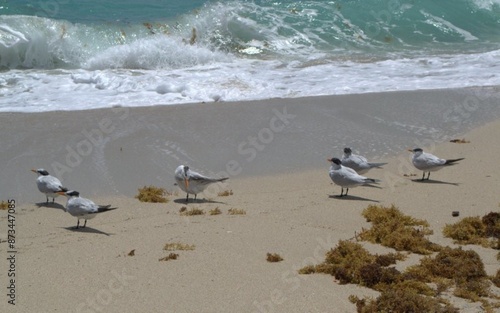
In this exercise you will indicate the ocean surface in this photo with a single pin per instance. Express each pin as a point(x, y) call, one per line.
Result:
point(78, 55)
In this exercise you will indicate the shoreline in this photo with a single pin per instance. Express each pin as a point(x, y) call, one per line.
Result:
point(468, 89)
point(230, 139)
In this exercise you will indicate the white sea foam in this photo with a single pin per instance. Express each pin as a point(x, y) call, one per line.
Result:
point(244, 50)
point(242, 79)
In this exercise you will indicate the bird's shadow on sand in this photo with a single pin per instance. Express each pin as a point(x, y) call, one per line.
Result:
point(432, 181)
point(199, 201)
point(87, 229)
point(349, 197)
point(53, 205)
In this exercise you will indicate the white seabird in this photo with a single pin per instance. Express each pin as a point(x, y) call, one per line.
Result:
point(427, 162)
point(192, 182)
point(83, 208)
point(358, 162)
point(48, 184)
point(346, 177)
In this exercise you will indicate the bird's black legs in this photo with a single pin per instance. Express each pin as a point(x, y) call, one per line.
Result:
point(47, 199)
point(423, 176)
point(78, 224)
point(342, 192)
point(187, 198)
point(429, 174)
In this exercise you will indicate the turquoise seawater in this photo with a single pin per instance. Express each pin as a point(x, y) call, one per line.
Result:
point(245, 49)
point(100, 11)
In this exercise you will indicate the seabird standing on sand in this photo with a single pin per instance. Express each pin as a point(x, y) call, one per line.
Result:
point(83, 208)
point(192, 182)
point(346, 177)
point(357, 162)
point(427, 162)
point(48, 184)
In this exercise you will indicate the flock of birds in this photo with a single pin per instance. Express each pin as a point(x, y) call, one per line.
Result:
point(345, 172)
point(77, 206)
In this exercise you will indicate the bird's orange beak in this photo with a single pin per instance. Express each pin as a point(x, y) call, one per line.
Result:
point(186, 183)
point(329, 160)
point(411, 150)
point(62, 193)
point(34, 171)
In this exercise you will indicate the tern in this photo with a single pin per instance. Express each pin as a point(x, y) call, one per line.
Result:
point(427, 162)
point(346, 177)
point(358, 162)
point(192, 182)
point(48, 184)
point(82, 208)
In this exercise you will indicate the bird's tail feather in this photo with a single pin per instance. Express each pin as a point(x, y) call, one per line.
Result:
point(105, 208)
point(377, 164)
point(452, 161)
point(372, 181)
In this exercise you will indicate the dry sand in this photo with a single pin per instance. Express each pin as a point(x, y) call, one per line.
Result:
point(288, 197)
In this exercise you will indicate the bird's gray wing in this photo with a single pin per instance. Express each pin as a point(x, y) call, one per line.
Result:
point(359, 158)
point(53, 184)
point(203, 179)
point(432, 161)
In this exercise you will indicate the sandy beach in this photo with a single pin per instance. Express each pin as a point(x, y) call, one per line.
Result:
point(274, 153)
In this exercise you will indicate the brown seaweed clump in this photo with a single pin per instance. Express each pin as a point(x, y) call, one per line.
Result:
point(419, 287)
point(462, 268)
point(4, 205)
point(344, 262)
point(171, 256)
point(274, 257)
point(393, 229)
point(175, 246)
point(492, 223)
point(215, 211)
point(411, 292)
point(350, 262)
point(152, 194)
point(398, 299)
point(191, 212)
point(235, 211)
point(496, 279)
point(475, 230)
